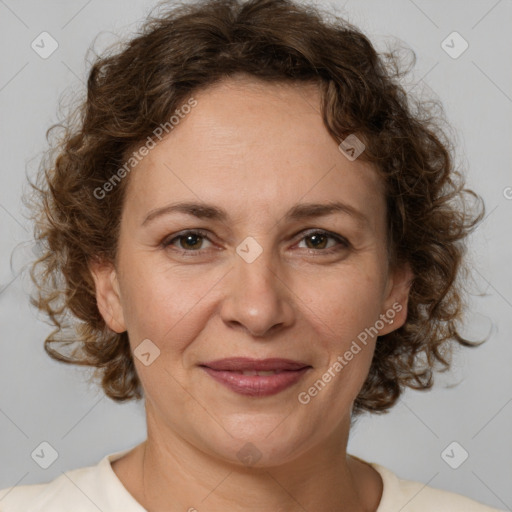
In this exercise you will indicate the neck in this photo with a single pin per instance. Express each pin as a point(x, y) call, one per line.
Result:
point(168, 469)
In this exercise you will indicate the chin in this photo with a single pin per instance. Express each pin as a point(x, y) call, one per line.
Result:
point(254, 443)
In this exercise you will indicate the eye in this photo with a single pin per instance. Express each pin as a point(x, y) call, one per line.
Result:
point(318, 240)
point(189, 241)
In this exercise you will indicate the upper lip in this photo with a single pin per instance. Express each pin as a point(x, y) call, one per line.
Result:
point(241, 364)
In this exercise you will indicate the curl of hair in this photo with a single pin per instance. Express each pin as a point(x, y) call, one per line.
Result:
point(133, 90)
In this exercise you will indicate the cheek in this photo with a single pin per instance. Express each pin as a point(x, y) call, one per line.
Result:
point(166, 304)
point(342, 303)
point(171, 311)
point(340, 312)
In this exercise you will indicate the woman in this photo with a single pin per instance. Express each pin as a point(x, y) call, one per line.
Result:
point(259, 237)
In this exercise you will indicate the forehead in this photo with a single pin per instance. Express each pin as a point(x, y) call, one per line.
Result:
point(252, 144)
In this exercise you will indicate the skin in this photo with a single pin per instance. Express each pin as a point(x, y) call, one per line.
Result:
point(256, 150)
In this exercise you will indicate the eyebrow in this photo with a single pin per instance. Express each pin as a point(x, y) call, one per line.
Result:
point(298, 212)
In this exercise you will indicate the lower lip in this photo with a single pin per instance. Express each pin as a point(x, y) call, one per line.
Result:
point(256, 385)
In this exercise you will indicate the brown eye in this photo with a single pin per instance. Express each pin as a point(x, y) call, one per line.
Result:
point(192, 241)
point(319, 240)
point(189, 241)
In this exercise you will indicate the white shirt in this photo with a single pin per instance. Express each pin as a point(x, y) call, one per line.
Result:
point(97, 488)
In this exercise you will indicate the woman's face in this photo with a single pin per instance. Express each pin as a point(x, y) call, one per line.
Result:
point(262, 279)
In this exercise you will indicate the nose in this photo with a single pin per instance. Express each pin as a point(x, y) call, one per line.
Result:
point(257, 298)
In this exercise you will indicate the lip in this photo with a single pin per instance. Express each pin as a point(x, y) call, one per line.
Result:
point(240, 364)
point(229, 373)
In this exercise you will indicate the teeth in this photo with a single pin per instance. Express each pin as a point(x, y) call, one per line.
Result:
point(262, 373)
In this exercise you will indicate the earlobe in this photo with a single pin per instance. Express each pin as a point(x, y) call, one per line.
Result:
point(108, 296)
point(395, 304)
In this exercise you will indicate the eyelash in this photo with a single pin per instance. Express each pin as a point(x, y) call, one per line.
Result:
point(342, 241)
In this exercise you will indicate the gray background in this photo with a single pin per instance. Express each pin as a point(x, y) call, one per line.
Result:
point(42, 400)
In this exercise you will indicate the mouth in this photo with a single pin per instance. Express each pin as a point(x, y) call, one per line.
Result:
point(256, 377)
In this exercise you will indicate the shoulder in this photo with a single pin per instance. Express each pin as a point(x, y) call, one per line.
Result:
point(87, 489)
point(412, 496)
point(56, 494)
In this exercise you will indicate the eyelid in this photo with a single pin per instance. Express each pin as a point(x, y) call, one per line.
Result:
point(167, 242)
point(343, 243)
point(325, 232)
point(201, 232)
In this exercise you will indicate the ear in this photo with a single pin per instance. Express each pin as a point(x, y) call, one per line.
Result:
point(396, 297)
point(108, 297)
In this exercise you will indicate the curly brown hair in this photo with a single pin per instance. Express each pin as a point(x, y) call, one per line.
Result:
point(134, 88)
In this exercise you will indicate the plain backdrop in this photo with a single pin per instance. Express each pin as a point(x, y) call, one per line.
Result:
point(42, 400)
